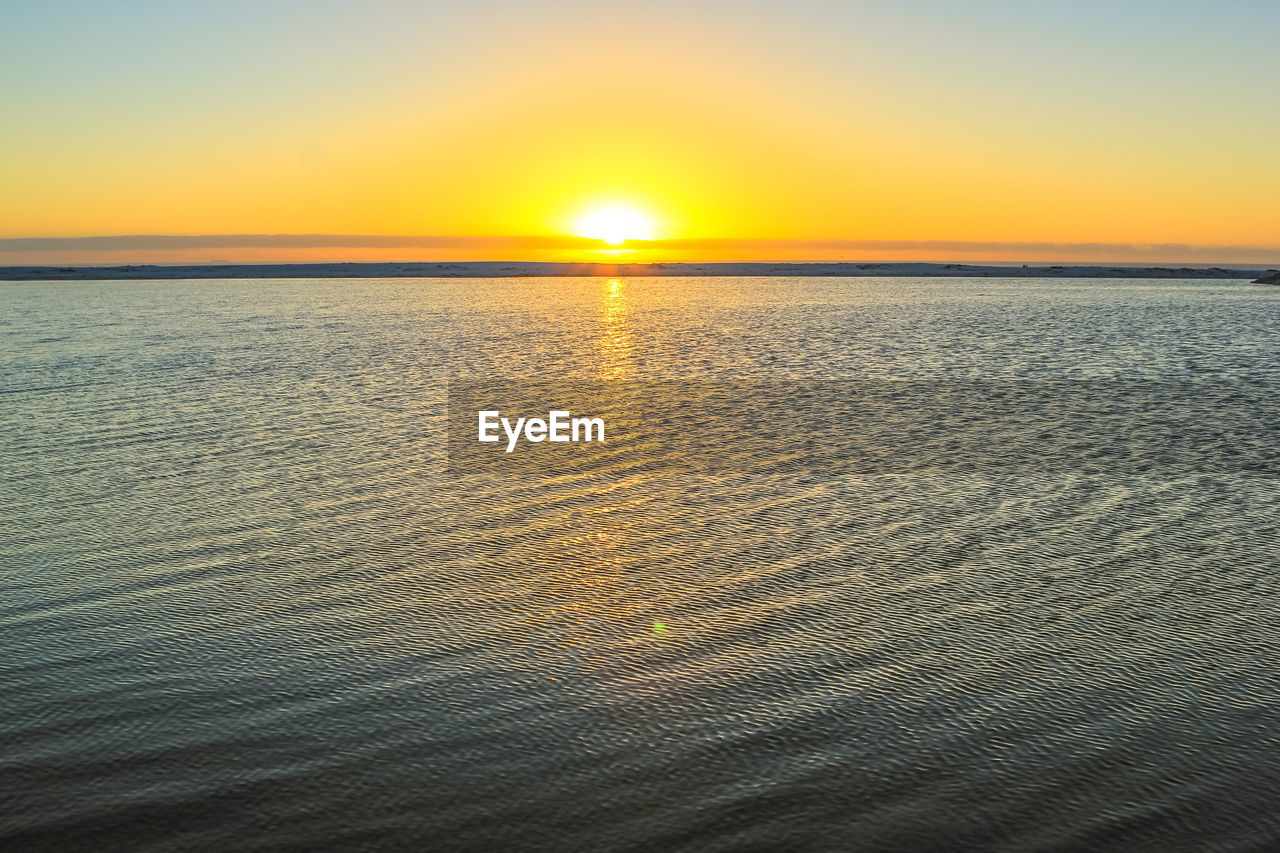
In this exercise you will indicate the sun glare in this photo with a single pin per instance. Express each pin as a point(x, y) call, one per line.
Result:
point(615, 224)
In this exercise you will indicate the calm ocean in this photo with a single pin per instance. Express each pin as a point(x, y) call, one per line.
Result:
point(864, 564)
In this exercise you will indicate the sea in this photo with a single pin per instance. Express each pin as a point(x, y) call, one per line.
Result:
point(861, 564)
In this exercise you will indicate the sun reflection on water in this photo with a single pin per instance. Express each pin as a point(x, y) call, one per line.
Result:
point(617, 343)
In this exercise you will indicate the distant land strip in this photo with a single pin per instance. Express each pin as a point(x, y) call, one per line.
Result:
point(515, 269)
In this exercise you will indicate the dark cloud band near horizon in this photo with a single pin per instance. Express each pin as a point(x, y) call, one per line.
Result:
point(145, 242)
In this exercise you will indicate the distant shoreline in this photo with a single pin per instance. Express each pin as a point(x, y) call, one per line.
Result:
point(530, 269)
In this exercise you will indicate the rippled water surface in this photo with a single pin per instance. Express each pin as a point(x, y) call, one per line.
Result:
point(252, 602)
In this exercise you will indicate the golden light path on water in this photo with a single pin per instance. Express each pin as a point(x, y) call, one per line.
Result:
point(617, 362)
point(617, 343)
point(607, 598)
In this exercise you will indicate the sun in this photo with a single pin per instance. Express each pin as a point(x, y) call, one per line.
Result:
point(615, 224)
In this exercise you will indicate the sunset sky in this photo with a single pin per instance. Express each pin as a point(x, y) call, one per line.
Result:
point(917, 129)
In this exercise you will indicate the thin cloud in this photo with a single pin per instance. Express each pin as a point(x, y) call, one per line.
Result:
point(867, 248)
point(155, 242)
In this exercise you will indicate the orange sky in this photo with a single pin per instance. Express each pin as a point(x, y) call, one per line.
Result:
point(762, 121)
